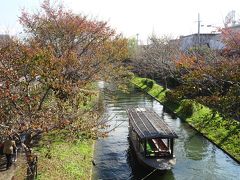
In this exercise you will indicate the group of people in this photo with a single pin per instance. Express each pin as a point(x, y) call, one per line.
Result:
point(8, 148)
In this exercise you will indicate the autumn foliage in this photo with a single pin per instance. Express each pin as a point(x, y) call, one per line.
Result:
point(209, 77)
point(213, 78)
point(231, 39)
point(215, 85)
point(45, 78)
point(157, 60)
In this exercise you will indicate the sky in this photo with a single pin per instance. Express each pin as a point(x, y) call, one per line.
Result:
point(171, 18)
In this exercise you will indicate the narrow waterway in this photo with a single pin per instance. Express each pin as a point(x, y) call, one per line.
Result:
point(197, 158)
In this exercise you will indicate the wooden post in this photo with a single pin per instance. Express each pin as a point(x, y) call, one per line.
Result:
point(139, 143)
point(145, 147)
point(171, 144)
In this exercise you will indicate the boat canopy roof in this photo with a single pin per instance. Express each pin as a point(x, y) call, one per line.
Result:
point(148, 124)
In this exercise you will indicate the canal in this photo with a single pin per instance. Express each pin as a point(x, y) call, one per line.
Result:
point(197, 158)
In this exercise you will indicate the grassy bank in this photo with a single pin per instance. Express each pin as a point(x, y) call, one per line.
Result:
point(62, 155)
point(223, 132)
point(64, 158)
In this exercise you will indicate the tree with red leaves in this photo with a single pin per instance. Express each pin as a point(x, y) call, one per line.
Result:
point(212, 79)
point(231, 39)
point(45, 78)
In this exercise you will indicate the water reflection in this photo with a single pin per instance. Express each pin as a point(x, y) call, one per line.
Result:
point(195, 147)
point(170, 113)
point(138, 172)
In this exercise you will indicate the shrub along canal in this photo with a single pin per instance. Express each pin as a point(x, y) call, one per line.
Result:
point(197, 158)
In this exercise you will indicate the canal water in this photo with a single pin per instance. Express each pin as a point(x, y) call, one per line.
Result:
point(197, 158)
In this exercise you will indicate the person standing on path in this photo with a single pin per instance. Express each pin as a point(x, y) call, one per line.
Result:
point(8, 148)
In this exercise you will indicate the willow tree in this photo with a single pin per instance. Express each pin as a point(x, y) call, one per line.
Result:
point(44, 79)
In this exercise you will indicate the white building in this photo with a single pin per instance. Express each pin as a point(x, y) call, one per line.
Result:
point(213, 41)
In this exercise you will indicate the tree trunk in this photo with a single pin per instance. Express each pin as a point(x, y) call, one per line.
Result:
point(165, 84)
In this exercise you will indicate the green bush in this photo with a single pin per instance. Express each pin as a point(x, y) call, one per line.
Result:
point(173, 96)
point(148, 82)
point(187, 108)
point(144, 81)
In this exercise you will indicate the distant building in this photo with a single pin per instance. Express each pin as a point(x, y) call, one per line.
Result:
point(212, 41)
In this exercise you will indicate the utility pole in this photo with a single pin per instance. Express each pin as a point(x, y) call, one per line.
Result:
point(199, 25)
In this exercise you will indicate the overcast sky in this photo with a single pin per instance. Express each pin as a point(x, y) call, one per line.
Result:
point(131, 17)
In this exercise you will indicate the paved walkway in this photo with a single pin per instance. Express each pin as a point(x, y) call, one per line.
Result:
point(8, 174)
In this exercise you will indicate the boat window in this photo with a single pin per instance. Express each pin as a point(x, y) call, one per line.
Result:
point(157, 147)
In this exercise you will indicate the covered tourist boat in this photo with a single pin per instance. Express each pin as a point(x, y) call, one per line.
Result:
point(152, 138)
